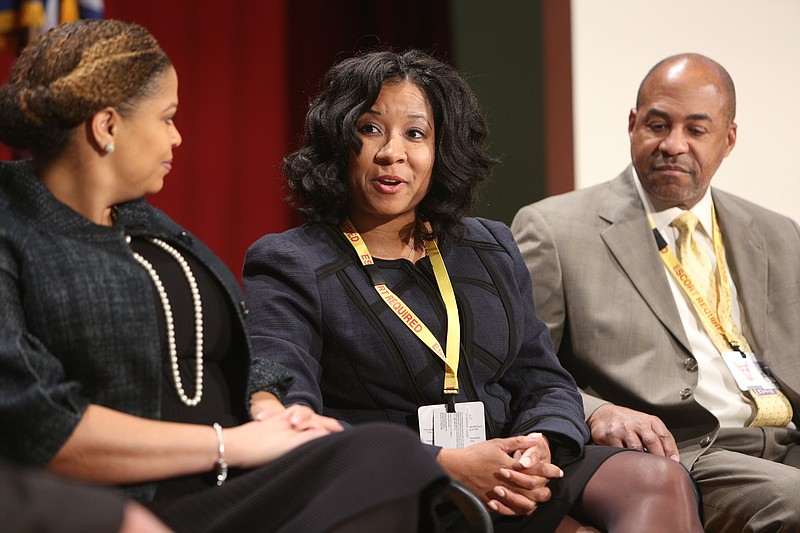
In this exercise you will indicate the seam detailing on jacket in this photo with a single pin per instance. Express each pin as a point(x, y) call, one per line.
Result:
point(465, 376)
point(488, 287)
point(504, 298)
point(481, 245)
point(380, 328)
point(334, 266)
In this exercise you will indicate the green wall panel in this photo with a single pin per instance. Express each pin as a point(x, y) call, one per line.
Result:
point(498, 47)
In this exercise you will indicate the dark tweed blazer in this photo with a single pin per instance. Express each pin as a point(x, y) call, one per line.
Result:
point(78, 322)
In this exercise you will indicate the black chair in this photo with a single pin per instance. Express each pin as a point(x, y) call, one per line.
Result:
point(475, 512)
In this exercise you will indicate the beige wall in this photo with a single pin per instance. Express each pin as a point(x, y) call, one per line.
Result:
point(615, 42)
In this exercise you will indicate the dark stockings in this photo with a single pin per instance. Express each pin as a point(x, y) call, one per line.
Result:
point(634, 492)
point(399, 516)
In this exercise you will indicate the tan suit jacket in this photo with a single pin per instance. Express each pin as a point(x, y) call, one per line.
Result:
point(602, 289)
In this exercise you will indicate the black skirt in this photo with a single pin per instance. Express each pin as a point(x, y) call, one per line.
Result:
point(315, 487)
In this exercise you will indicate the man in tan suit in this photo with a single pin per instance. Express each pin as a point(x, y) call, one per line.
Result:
point(657, 321)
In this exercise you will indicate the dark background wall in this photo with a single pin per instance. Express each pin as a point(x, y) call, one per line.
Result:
point(247, 72)
point(498, 47)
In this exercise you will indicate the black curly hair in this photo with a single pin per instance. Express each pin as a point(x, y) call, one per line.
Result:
point(317, 172)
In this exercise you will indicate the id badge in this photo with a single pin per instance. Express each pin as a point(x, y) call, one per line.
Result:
point(463, 428)
point(746, 371)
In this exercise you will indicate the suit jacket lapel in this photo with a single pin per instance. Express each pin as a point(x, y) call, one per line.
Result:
point(747, 258)
point(632, 244)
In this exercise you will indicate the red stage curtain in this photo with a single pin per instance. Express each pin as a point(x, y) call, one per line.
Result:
point(324, 32)
point(6, 60)
point(232, 69)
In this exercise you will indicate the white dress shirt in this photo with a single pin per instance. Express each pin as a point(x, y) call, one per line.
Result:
point(716, 389)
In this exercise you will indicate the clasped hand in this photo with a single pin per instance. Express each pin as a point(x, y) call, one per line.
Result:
point(510, 475)
point(275, 431)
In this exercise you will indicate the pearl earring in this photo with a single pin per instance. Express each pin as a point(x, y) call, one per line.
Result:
point(108, 148)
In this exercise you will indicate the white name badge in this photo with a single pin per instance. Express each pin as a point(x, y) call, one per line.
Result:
point(746, 371)
point(452, 430)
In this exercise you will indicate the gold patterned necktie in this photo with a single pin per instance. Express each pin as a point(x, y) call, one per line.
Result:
point(694, 261)
point(770, 408)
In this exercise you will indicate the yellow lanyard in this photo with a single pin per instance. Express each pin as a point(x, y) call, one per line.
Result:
point(414, 323)
point(701, 306)
point(772, 408)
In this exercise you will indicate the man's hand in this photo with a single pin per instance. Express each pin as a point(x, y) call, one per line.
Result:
point(612, 425)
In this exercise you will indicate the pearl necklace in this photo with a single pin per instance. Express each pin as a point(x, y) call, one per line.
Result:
point(198, 320)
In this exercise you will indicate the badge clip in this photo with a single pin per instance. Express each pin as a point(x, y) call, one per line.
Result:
point(450, 403)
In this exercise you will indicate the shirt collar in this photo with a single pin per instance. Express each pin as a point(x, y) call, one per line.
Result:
point(663, 219)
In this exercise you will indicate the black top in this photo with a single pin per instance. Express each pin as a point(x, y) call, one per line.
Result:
point(217, 402)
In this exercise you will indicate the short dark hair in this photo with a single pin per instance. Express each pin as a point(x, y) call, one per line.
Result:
point(71, 72)
point(317, 172)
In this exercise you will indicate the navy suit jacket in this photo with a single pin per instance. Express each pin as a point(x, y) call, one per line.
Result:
point(313, 309)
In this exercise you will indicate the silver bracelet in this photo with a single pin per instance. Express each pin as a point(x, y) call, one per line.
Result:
point(222, 466)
